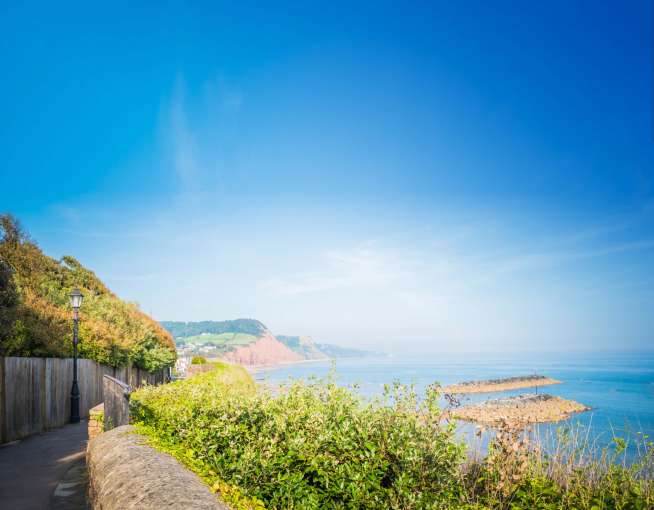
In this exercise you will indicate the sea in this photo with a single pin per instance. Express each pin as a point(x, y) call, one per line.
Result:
point(618, 387)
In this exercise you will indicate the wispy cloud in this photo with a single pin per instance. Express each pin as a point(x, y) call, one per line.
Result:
point(362, 266)
point(183, 140)
point(222, 96)
point(71, 215)
point(193, 134)
point(97, 234)
point(135, 277)
point(492, 270)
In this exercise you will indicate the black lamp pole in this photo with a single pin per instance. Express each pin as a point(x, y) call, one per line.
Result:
point(76, 301)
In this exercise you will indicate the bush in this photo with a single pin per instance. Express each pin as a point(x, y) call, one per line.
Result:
point(316, 445)
point(312, 445)
point(525, 471)
point(198, 360)
point(151, 356)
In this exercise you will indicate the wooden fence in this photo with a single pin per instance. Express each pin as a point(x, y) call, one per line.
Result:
point(35, 392)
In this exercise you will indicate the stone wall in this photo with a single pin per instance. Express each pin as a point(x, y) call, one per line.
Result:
point(96, 421)
point(125, 473)
point(116, 402)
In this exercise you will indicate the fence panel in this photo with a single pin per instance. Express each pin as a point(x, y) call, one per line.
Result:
point(35, 392)
point(59, 380)
point(24, 396)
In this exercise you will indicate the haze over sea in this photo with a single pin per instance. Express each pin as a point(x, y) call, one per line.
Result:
point(619, 387)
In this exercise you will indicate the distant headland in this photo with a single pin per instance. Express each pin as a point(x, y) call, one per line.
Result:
point(249, 342)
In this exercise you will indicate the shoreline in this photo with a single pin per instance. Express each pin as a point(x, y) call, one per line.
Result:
point(254, 369)
point(259, 368)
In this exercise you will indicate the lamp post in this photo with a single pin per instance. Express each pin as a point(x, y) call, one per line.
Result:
point(76, 298)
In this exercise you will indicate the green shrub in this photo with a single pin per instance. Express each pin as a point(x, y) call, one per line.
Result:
point(316, 445)
point(198, 360)
point(312, 445)
point(152, 356)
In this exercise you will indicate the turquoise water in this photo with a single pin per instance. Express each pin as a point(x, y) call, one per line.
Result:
point(618, 387)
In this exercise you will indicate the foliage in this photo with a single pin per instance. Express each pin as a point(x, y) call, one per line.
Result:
point(316, 445)
point(150, 355)
point(518, 473)
point(8, 304)
point(98, 417)
point(198, 360)
point(311, 445)
point(35, 314)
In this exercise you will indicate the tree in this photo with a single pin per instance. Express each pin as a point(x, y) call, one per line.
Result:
point(8, 304)
point(11, 230)
point(35, 311)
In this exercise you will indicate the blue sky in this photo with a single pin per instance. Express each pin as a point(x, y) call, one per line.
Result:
point(424, 176)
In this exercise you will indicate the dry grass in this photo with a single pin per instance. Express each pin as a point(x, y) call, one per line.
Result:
point(562, 468)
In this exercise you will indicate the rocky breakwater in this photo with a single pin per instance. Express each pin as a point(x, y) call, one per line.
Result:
point(267, 350)
point(523, 409)
point(507, 383)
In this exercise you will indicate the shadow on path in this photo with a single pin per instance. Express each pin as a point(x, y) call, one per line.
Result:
point(32, 469)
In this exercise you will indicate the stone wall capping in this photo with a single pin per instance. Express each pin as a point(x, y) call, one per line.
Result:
point(125, 473)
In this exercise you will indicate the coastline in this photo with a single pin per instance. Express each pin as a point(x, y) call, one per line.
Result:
point(254, 369)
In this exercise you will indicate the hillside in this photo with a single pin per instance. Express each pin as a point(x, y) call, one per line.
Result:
point(249, 342)
point(35, 316)
point(181, 330)
point(336, 351)
point(243, 341)
point(231, 338)
point(303, 345)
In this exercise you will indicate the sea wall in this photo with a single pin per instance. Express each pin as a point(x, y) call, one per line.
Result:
point(495, 385)
point(520, 410)
point(125, 473)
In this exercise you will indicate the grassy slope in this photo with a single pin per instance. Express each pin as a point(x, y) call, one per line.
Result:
point(181, 330)
point(227, 339)
point(234, 376)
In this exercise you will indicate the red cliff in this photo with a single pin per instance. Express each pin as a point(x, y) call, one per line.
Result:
point(267, 350)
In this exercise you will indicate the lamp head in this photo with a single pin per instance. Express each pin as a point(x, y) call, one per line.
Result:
point(76, 298)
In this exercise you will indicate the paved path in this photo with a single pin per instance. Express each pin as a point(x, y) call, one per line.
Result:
point(32, 469)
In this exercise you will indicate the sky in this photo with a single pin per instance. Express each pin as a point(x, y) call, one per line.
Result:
point(419, 177)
